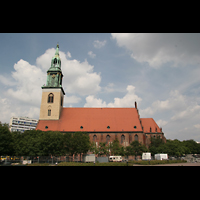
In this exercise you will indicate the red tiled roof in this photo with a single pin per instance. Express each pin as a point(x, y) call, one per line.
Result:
point(149, 122)
point(94, 119)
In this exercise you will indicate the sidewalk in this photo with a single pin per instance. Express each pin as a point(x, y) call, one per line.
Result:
point(173, 164)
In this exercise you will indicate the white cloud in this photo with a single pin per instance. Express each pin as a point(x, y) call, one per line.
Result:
point(68, 55)
point(91, 54)
point(179, 114)
point(127, 101)
point(160, 48)
point(71, 99)
point(91, 101)
point(197, 126)
point(23, 97)
point(192, 111)
point(44, 61)
point(99, 44)
point(147, 112)
point(161, 122)
point(10, 107)
point(175, 102)
point(4, 109)
point(78, 76)
point(6, 80)
point(109, 87)
point(28, 80)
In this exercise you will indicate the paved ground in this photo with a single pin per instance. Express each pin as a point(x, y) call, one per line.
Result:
point(173, 164)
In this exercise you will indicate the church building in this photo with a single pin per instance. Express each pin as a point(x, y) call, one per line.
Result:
point(102, 124)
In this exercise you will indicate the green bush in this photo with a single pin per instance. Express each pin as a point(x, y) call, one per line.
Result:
point(130, 163)
point(156, 162)
point(38, 164)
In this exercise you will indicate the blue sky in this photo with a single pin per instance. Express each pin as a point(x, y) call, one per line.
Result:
point(159, 71)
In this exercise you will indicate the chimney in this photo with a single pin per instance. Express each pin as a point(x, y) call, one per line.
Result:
point(135, 104)
point(160, 129)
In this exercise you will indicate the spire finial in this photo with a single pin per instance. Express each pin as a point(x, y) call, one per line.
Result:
point(57, 49)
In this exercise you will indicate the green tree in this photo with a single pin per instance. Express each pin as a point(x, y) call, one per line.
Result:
point(193, 147)
point(173, 148)
point(122, 151)
point(115, 147)
point(67, 137)
point(102, 149)
point(38, 143)
point(129, 151)
point(94, 148)
point(80, 143)
point(18, 143)
point(32, 141)
point(136, 148)
point(6, 140)
point(155, 144)
point(55, 143)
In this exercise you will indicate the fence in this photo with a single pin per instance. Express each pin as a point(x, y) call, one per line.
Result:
point(22, 160)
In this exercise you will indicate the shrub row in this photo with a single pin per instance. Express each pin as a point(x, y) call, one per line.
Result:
point(156, 162)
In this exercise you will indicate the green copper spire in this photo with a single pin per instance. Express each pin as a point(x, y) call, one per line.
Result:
point(56, 61)
point(54, 73)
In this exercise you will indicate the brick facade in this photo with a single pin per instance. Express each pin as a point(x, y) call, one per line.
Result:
point(124, 138)
point(106, 124)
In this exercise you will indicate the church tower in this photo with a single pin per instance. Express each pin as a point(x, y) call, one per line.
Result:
point(52, 92)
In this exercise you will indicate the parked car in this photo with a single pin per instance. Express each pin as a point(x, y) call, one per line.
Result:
point(115, 159)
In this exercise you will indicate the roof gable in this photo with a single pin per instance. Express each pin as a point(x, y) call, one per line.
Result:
point(149, 122)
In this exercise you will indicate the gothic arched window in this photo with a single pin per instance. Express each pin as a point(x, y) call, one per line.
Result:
point(136, 137)
point(94, 137)
point(130, 138)
point(122, 139)
point(49, 112)
point(50, 98)
point(107, 139)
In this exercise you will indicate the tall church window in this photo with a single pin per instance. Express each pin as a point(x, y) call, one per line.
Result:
point(50, 98)
point(49, 112)
point(107, 139)
point(94, 137)
point(101, 137)
point(130, 138)
point(136, 137)
point(122, 139)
